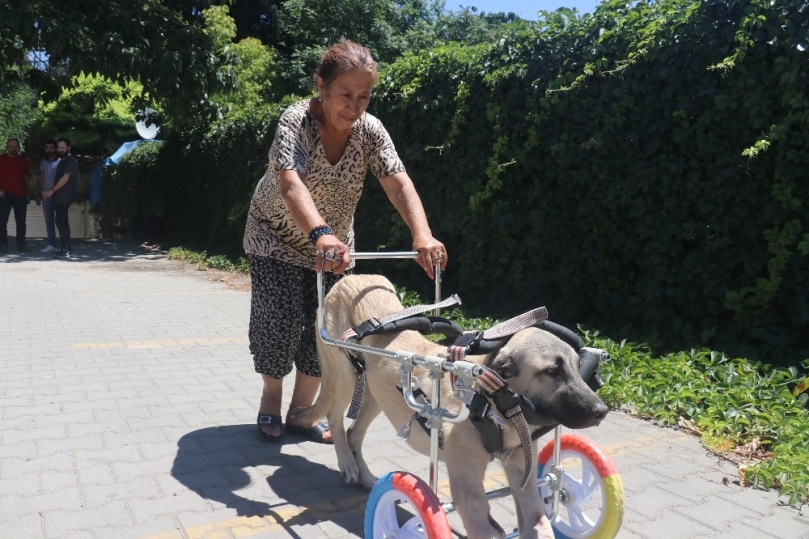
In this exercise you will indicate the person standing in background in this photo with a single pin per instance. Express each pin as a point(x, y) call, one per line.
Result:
point(47, 177)
point(14, 173)
point(63, 193)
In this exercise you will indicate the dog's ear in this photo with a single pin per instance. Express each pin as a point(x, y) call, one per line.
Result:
point(505, 365)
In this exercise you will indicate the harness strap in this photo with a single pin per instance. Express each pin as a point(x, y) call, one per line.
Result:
point(513, 325)
point(420, 309)
point(509, 405)
point(493, 338)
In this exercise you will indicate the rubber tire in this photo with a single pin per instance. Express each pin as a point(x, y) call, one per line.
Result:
point(403, 485)
point(612, 486)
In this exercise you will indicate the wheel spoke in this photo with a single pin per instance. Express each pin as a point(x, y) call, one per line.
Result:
point(579, 521)
point(386, 518)
point(589, 484)
point(414, 527)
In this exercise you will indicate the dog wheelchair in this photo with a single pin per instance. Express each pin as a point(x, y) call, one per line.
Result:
point(578, 481)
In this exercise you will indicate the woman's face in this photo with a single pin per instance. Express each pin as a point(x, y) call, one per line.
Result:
point(346, 98)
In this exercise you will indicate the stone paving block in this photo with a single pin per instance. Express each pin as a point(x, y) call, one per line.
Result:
point(207, 388)
point(50, 409)
point(116, 456)
point(46, 447)
point(102, 495)
point(21, 526)
point(668, 526)
point(216, 522)
point(115, 440)
point(96, 403)
point(63, 399)
point(51, 481)
point(653, 501)
point(137, 424)
point(96, 474)
point(22, 401)
point(146, 509)
point(153, 528)
point(21, 485)
point(157, 449)
point(59, 419)
point(697, 491)
point(59, 461)
point(715, 513)
point(212, 479)
point(66, 499)
point(148, 468)
point(25, 431)
point(785, 524)
point(758, 501)
point(23, 450)
point(740, 530)
point(60, 523)
point(81, 430)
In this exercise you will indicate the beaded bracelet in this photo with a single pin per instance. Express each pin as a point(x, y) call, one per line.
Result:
point(321, 230)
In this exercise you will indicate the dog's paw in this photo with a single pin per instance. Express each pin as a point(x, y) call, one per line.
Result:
point(349, 469)
point(350, 474)
point(368, 480)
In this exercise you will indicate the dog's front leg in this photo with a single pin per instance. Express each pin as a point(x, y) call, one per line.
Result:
point(356, 435)
point(532, 522)
point(466, 465)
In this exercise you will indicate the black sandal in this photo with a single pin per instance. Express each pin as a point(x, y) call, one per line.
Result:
point(269, 419)
point(314, 433)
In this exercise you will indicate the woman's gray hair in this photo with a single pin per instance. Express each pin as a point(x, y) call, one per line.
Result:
point(344, 57)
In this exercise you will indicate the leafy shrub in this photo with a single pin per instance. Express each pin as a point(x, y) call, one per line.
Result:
point(637, 170)
point(732, 402)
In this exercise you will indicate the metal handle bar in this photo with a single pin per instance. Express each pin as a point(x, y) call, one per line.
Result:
point(436, 365)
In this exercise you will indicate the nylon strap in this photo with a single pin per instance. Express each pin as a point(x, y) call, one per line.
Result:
point(513, 325)
point(356, 400)
point(420, 309)
point(508, 404)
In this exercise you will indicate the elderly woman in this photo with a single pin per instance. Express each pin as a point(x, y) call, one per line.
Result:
point(301, 219)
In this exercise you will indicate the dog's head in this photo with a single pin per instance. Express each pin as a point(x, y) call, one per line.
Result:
point(545, 370)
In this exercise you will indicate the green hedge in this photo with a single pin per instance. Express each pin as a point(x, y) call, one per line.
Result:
point(641, 170)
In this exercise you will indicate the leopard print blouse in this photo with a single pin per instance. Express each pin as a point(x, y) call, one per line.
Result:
point(270, 229)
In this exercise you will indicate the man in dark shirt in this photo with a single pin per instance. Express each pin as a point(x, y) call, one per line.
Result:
point(14, 172)
point(63, 193)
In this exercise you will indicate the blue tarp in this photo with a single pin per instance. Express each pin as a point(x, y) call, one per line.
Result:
point(111, 161)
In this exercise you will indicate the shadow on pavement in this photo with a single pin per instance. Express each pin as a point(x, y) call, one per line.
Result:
point(86, 251)
point(213, 461)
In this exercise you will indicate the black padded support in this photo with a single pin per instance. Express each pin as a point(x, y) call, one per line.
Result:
point(563, 333)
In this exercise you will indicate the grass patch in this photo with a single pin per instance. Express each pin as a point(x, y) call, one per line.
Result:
point(205, 261)
point(754, 414)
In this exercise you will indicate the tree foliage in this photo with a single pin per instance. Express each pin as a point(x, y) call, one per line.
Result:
point(249, 64)
point(94, 113)
point(157, 43)
point(17, 111)
point(638, 170)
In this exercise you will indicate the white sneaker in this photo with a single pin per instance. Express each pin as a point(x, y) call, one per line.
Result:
point(49, 249)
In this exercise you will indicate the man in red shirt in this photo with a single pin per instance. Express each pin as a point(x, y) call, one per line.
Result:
point(14, 172)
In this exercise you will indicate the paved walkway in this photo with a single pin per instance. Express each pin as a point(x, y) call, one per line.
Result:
point(127, 404)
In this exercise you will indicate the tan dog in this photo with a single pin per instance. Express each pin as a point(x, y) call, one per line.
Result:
point(534, 362)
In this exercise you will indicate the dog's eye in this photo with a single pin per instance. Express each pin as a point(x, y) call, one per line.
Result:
point(553, 372)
